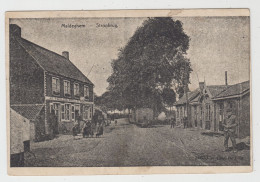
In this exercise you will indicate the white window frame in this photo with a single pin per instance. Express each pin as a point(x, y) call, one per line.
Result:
point(76, 91)
point(72, 112)
point(62, 112)
point(66, 88)
point(85, 115)
point(65, 113)
point(52, 104)
point(55, 88)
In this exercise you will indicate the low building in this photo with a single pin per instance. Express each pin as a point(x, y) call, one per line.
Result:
point(181, 106)
point(236, 97)
point(141, 115)
point(20, 135)
point(39, 76)
point(208, 105)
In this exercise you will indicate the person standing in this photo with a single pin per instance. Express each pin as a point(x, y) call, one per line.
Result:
point(229, 125)
point(172, 122)
point(75, 130)
point(185, 122)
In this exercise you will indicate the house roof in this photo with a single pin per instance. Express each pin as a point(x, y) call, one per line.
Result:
point(217, 92)
point(191, 96)
point(195, 99)
point(28, 111)
point(216, 89)
point(234, 90)
point(51, 61)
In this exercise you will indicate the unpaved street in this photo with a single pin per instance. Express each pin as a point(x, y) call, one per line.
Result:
point(125, 144)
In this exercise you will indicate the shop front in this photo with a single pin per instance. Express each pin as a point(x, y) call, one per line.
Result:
point(62, 115)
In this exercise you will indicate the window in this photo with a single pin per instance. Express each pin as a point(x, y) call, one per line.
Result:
point(77, 108)
point(221, 109)
point(66, 88)
point(72, 112)
point(221, 117)
point(207, 117)
point(62, 112)
point(67, 112)
point(231, 104)
point(55, 108)
point(85, 112)
point(90, 112)
point(86, 92)
point(195, 111)
point(77, 111)
point(76, 89)
point(208, 112)
point(55, 86)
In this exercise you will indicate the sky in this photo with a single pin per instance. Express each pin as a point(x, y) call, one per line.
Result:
point(217, 44)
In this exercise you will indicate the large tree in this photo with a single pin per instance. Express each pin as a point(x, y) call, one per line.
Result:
point(152, 60)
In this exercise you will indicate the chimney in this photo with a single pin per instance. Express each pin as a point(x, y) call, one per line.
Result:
point(201, 85)
point(15, 30)
point(226, 78)
point(65, 54)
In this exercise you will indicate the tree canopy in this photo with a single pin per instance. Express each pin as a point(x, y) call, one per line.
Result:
point(151, 64)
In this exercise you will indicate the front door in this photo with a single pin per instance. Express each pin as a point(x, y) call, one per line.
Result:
point(55, 108)
point(221, 116)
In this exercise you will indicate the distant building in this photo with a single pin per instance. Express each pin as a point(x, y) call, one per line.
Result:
point(39, 76)
point(208, 105)
point(141, 115)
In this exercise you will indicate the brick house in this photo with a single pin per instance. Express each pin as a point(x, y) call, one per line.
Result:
point(208, 106)
point(39, 76)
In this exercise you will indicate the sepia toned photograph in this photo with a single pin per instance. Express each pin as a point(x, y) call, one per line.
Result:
point(148, 90)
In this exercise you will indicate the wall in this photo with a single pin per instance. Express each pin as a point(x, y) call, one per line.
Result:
point(72, 81)
point(245, 116)
point(19, 132)
point(39, 126)
point(26, 77)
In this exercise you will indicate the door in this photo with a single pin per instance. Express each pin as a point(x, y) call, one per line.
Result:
point(195, 116)
point(55, 109)
point(221, 116)
point(215, 120)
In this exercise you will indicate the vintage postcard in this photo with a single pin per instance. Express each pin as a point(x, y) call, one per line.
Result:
point(128, 92)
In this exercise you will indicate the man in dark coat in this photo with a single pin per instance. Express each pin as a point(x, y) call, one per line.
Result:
point(230, 125)
point(185, 122)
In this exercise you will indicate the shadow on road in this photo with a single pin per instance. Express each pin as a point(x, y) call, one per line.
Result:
point(240, 146)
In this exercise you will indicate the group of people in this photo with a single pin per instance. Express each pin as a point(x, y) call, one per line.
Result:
point(89, 129)
point(172, 122)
